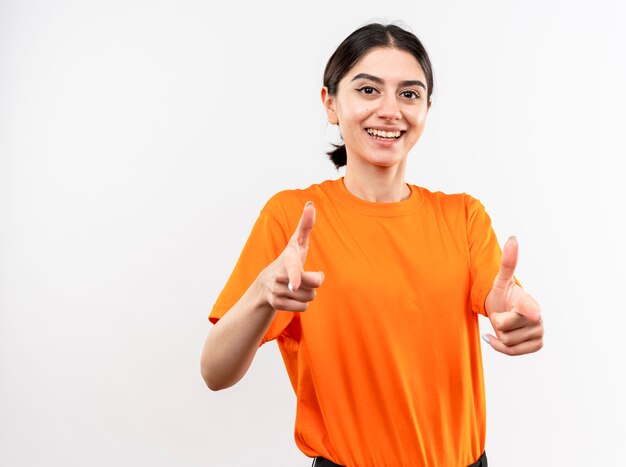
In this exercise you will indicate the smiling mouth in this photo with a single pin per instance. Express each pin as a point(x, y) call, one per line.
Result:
point(384, 135)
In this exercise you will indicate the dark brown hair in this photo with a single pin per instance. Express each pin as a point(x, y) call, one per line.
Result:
point(355, 46)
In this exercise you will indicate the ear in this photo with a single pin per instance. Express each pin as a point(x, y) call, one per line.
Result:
point(329, 106)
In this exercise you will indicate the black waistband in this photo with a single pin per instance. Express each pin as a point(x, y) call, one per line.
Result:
point(321, 462)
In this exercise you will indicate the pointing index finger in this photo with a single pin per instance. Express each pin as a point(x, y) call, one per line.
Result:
point(293, 268)
point(305, 225)
point(296, 251)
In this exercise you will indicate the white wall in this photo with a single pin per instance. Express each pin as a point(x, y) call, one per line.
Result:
point(139, 139)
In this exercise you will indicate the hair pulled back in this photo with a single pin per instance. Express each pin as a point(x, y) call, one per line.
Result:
point(359, 43)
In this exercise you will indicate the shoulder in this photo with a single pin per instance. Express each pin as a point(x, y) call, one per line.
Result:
point(457, 209)
point(449, 201)
point(287, 205)
point(454, 207)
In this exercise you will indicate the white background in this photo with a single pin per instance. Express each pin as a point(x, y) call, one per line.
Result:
point(138, 141)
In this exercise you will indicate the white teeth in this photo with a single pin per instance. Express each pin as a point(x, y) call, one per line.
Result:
point(384, 134)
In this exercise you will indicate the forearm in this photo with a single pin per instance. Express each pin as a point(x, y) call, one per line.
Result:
point(232, 343)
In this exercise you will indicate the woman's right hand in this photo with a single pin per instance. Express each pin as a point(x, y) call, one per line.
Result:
point(285, 284)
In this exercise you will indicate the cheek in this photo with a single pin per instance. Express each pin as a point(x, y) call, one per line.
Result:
point(418, 118)
point(359, 113)
point(354, 110)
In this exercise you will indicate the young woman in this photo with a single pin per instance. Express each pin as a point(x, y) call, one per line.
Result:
point(371, 286)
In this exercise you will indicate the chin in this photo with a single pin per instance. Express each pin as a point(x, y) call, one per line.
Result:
point(386, 161)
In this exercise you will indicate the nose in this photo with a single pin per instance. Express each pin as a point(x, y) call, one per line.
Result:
point(389, 108)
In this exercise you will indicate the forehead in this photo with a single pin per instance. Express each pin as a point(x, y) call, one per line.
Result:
point(389, 64)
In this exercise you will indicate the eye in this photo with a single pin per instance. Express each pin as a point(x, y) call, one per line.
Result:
point(368, 90)
point(410, 95)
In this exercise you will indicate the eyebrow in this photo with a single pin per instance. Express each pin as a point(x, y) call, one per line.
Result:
point(376, 79)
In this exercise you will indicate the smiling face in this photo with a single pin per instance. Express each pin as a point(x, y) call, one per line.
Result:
point(380, 107)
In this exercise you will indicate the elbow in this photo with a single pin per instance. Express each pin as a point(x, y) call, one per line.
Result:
point(218, 371)
point(214, 387)
point(213, 383)
point(209, 377)
point(210, 382)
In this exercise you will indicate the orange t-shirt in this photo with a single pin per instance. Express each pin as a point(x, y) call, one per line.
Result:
point(386, 362)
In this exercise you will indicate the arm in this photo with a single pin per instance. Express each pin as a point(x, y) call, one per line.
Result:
point(231, 345)
point(514, 314)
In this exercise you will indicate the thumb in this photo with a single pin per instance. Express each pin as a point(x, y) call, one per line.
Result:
point(529, 308)
point(507, 263)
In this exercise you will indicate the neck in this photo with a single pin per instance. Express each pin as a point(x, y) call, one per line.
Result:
point(377, 184)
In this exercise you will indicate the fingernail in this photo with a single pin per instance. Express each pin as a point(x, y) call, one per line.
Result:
point(485, 338)
point(308, 203)
point(290, 287)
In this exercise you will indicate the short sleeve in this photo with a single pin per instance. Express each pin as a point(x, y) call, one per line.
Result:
point(265, 243)
point(485, 253)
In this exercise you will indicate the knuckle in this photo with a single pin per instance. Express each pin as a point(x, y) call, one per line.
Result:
point(506, 350)
point(497, 322)
point(511, 350)
point(505, 338)
point(291, 251)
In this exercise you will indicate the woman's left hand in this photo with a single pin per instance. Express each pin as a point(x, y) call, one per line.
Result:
point(514, 314)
